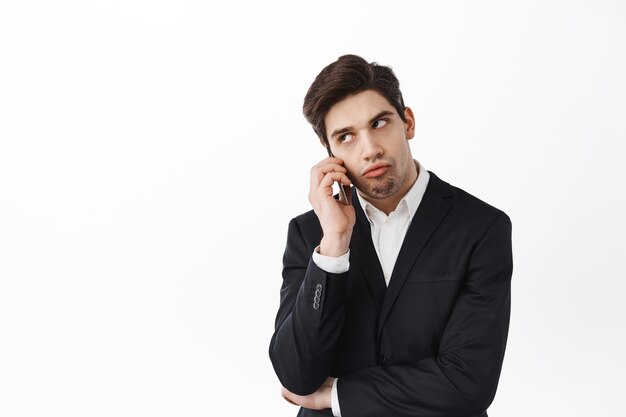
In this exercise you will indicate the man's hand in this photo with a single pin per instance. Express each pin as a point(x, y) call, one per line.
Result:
point(337, 220)
point(319, 400)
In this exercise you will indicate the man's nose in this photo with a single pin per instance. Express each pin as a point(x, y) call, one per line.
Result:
point(371, 147)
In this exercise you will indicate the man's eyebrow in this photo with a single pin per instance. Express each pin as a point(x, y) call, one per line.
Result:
point(340, 131)
point(372, 120)
point(381, 114)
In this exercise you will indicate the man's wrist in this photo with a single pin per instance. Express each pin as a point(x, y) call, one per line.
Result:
point(334, 245)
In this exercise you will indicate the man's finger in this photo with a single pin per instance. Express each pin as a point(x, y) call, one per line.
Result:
point(318, 172)
point(331, 177)
point(330, 159)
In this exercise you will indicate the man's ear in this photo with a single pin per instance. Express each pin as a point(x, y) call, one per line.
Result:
point(410, 123)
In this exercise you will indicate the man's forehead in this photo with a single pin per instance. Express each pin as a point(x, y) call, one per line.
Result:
point(356, 109)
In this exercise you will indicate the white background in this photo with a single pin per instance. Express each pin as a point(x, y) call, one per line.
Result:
point(153, 152)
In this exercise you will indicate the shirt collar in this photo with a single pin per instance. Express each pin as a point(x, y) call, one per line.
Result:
point(410, 201)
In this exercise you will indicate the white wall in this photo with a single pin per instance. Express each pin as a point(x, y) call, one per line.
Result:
point(136, 136)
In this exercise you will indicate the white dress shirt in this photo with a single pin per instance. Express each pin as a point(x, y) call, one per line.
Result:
point(388, 233)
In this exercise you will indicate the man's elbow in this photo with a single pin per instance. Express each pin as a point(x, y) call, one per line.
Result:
point(474, 390)
point(298, 377)
point(475, 397)
point(476, 402)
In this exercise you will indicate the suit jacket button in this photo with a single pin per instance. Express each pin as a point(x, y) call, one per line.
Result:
point(318, 293)
point(382, 359)
point(316, 305)
point(319, 287)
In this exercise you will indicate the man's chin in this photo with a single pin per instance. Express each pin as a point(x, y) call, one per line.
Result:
point(379, 191)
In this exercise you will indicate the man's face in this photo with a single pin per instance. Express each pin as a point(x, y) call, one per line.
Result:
point(366, 132)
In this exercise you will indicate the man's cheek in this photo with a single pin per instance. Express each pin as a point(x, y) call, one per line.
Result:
point(352, 175)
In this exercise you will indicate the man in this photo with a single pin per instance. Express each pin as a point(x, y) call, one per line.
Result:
point(396, 303)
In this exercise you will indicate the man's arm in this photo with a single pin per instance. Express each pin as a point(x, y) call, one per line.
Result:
point(462, 379)
point(303, 345)
point(311, 313)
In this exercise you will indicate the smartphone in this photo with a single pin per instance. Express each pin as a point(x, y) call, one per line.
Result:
point(343, 198)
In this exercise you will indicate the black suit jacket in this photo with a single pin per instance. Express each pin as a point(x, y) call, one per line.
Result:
point(431, 343)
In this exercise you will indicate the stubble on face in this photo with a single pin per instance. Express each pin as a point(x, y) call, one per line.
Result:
point(388, 187)
point(382, 187)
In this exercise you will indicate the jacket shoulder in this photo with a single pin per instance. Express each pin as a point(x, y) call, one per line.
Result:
point(307, 220)
point(476, 204)
point(470, 207)
point(308, 227)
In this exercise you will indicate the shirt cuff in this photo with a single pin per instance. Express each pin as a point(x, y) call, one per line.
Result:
point(331, 264)
point(334, 400)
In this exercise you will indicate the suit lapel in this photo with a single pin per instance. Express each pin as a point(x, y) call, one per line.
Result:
point(431, 211)
point(363, 254)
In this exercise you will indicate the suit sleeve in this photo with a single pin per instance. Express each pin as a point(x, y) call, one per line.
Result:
point(462, 379)
point(309, 319)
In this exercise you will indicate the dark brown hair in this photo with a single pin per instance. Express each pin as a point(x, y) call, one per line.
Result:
point(347, 76)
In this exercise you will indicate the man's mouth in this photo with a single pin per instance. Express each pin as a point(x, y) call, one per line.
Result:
point(376, 170)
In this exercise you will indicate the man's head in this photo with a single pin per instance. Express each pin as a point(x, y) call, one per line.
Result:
point(349, 75)
point(357, 110)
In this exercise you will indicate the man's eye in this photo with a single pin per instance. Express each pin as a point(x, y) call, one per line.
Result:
point(379, 123)
point(346, 137)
